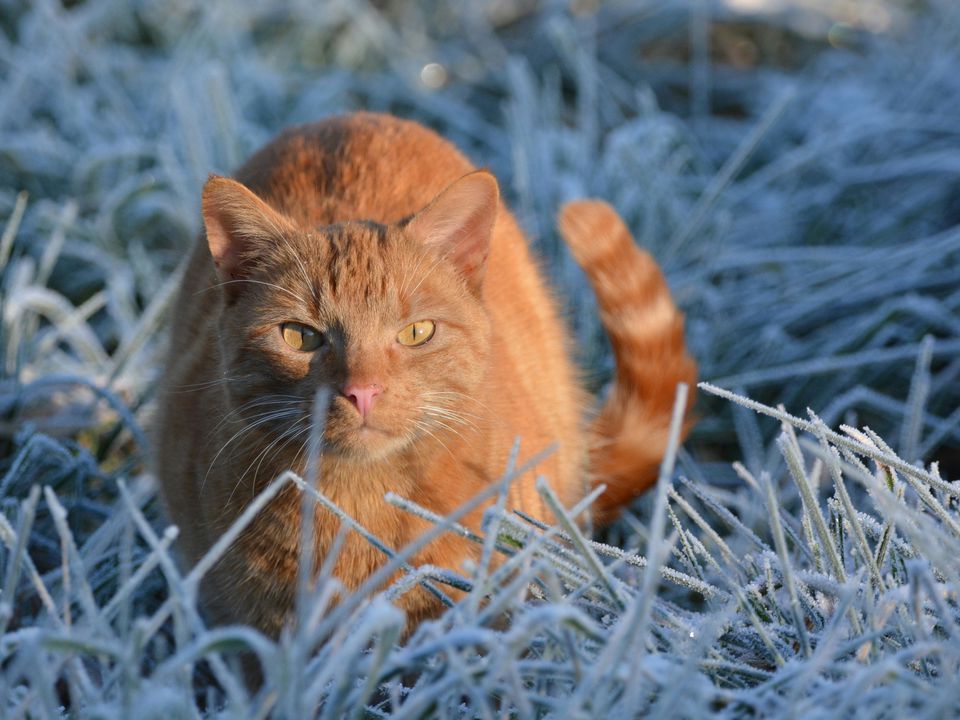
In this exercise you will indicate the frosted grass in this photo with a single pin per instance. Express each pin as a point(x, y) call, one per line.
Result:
point(789, 630)
point(799, 556)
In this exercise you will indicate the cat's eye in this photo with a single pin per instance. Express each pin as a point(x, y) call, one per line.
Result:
point(417, 333)
point(301, 337)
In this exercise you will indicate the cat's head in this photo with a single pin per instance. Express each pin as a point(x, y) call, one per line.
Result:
point(390, 318)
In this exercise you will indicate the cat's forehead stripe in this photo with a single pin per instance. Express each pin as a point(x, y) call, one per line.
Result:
point(356, 265)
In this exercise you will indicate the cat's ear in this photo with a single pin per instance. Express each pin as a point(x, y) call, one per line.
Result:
point(458, 223)
point(240, 226)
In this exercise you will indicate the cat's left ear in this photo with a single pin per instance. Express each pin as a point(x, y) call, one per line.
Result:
point(241, 228)
point(458, 223)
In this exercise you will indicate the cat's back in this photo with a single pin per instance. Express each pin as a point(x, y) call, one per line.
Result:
point(361, 166)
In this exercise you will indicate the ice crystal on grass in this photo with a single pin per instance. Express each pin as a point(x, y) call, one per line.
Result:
point(796, 174)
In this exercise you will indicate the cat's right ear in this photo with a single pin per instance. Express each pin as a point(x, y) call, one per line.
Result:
point(240, 226)
point(458, 223)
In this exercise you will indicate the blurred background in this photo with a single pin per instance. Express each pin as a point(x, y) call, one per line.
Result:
point(793, 164)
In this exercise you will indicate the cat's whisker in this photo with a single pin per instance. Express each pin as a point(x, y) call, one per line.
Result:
point(456, 396)
point(267, 417)
point(427, 274)
point(256, 403)
point(424, 428)
point(193, 387)
point(269, 401)
point(447, 414)
point(256, 416)
point(267, 398)
point(406, 278)
point(299, 428)
point(448, 428)
point(456, 408)
point(303, 446)
point(255, 422)
point(284, 437)
point(255, 282)
point(303, 268)
point(436, 420)
point(442, 408)
point(410, 275)
point(261, 456)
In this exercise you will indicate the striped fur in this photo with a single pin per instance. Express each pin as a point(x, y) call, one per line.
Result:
point(629, 435)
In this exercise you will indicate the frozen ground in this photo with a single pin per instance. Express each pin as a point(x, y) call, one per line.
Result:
point(794, 165)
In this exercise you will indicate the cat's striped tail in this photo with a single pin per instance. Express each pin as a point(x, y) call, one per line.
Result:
point(629, 435)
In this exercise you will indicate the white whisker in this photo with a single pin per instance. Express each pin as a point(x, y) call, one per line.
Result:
point(265, 418)
point(303, 269)
point(268, 401)
point(411, 275)
point(303, 446)
point(448, 428)
point(261, 456)
point(447, 414)
point(191, 387)
point(255, 282)
point(426, 275)
point(455, 395)
point(423, 427)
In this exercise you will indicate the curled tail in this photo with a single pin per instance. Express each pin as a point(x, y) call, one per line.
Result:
point(629, 436)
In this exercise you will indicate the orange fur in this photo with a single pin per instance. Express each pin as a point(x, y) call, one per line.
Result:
point(629, 437)
point(358, 226)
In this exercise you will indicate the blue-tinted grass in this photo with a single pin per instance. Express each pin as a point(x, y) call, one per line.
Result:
point(797, 174)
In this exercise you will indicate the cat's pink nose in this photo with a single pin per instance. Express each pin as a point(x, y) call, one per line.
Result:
point(362, 396)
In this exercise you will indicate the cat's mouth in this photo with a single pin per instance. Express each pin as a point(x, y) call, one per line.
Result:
point(368, 430)
point(366, 443)
point(358, 438)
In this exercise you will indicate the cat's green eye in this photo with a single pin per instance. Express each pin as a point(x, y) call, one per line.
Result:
point(301, 337)
point(417, 333)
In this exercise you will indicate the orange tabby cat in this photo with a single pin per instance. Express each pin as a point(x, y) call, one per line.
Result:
point(367, 255)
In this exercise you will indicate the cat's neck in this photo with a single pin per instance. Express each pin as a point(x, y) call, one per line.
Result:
point(354, 485)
